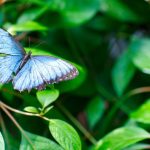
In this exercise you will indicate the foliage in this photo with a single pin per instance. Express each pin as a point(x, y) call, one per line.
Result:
point(107, 106)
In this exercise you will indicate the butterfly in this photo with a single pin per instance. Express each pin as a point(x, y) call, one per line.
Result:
point(28, 71)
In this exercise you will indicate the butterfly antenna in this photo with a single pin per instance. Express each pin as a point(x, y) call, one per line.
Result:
point(29, 41)
point(37, 45)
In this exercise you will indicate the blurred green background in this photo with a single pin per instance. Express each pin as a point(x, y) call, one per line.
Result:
point(108, 41)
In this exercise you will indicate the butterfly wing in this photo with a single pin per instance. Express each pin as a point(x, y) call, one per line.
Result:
point(8, 45)
point(42, 70)
point(11, 54)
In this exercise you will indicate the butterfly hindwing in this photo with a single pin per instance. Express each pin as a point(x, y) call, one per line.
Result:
point(11, 54)
point(8, 66)
point(42, 70)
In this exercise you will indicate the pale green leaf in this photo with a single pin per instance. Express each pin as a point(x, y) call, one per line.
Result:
point(142, 114)
point(121, 138)
point(140, 53)
point(31, 14)
point(27, 26)
point(31, 109)
point(65, 134)
point(2, 144)
point(139, 146)
point(47, 97)
point(37, 143)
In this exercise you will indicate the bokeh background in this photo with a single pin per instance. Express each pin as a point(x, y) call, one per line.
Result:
point(108, 41)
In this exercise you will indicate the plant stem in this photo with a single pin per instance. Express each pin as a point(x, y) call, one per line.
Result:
point(77, 123)
point(22, 112)
point(120, 102)
point(17, 125)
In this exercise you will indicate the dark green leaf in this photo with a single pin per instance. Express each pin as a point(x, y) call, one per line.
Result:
point(122, 73)
point(95, 110)
point(119, 10)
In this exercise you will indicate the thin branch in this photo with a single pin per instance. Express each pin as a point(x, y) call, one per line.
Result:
point(120, 102)
point(22, 112)
point(17, 125)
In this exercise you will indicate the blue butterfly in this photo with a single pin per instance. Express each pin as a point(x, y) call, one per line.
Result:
point(27, 71)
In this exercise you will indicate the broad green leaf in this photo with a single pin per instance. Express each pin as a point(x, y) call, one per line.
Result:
point(37, 143)
point(72, 12)
point(46, 97)
point(142, 114)
point(140, 53)
point(121, 138)
point(2, 144)
point(139, 146)
point(36, 51)
point(75, 12)
point(94, 110)
point(7, 92)
point(27, 26)
point(31, 109)
point(65, 134)
point(122, 73)
point(72, 18)
point(31, 14)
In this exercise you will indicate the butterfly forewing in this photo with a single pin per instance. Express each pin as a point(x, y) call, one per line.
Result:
point(8, 45)
point(11, 55)
point(42, 70)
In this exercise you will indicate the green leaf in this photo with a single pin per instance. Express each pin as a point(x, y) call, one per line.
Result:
point(119, 10)
point(142, 114)
point(140, 146)
point(46, 97)
point(95, 110)
point(140, 53)
point(121, 138)
point(31, 109)
point(37, 51)
point(38, 143)
point(46, 110)
point(2, 144)
point(65, 135)
point(75, 12)
point(31, 14)
point(122, 73)
point(27, 26)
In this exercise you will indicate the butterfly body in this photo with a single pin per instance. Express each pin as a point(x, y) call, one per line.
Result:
point(24, 60)
point(29, 71)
